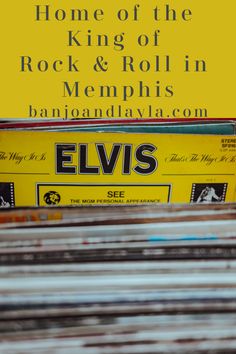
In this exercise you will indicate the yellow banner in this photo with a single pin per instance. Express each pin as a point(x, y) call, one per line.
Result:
point(50, 168)
point(141, 59)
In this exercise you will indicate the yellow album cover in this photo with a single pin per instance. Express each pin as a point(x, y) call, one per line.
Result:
point(56, 168)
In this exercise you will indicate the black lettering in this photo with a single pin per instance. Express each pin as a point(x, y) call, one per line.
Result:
point(42, 10)
point(72, 65)
point(142, 155)
point(83, 165)
point(126, 170)
point(57, 66)
point(108, 163)
point(128, 64)
point(43, 66)
point(26, 64)
point(73, 40)
point(115, 194)
point(170, 14)
point(60, 15)
point(169, 91)
point(187, 15)
point(108, 91)
point(69, 90)
point(89, 91)
point(63, 156)
point(79, 15)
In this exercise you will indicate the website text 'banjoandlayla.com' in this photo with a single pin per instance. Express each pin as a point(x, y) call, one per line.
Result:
point(115, 111)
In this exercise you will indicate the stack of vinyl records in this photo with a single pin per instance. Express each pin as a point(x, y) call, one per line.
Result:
point(133, 279)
